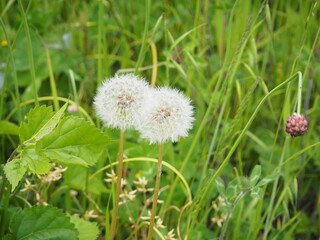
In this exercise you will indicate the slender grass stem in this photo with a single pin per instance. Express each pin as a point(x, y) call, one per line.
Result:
point(144, 37)
point(154, 63)
point(15, 78)
point(274, 190)
point(156, 194)
point(52, 81)
point(30, 53)
point(118, 187)
point(299, 92)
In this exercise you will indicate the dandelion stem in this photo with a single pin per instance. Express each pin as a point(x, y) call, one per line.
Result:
point(156, 194)
point(118, 188)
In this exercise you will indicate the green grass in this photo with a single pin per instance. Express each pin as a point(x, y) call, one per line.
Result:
point(237, 61)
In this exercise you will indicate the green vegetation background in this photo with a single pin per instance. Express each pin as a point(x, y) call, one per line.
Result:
point(225, 55)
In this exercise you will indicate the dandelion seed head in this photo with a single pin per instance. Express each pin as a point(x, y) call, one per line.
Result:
point(119, 100)
point(166, 116)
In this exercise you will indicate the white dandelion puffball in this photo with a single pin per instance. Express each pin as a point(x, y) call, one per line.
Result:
point(119, 100)
point(167, 115)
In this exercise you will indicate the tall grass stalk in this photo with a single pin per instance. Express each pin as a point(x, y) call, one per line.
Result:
point(144, 36)
point(52, 81)
point(15, 78)
point(30, 52)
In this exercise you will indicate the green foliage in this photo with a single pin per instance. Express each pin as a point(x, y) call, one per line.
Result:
point(268, 179)
point(225, 55)
point(74, 141)
point(41, 121)
point(15, 170)
point(87, 230)
point(40, 223)
point(76, 177)
point(7, 127)
point(255, 175)
point(45, 139)
point(37, 164)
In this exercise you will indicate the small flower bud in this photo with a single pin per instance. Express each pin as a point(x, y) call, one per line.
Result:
point(72, 108)
point(297, 125)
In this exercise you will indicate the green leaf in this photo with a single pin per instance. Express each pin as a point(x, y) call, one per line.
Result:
point(15, 171)
point(268, 179)
point(41, 121)
point(7, 127)
point(233, 189)
point(220, 186)
point(42, 223)
point(255, 175)
point(8, 237)
point(87, 230)
point(36, 163)
point(257, 193)
point(73, 141)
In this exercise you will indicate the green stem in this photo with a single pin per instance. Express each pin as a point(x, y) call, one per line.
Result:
point(226, 223)
point(299, 93)
point(30, 53)
point(274, 190)
point(144, 37)
point(52, 81)
point(15, 78)
point(156, 194)
point(100, 42)
point(118, 187)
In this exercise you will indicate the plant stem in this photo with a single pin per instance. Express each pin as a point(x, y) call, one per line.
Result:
point(30, 53)
point(156, 194)
point(299, 92)
point(53, 85)
point(226, 223)
point(144, 37)
point(274, 190)
point(118, 190)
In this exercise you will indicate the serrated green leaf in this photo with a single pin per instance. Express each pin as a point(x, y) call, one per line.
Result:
point(233, 189)
point(7, 127)
point(255, 175)
point(36, 163)
point(73, 141)
point(256, 193)
point(87, 230)
point(268, 179)
point(38, 125)
point(42, 223)
point(220, 186)
point(15, 171)
point(51, 124)
point(37, 118)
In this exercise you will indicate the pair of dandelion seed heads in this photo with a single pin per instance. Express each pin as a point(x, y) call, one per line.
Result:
point(159, 114)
